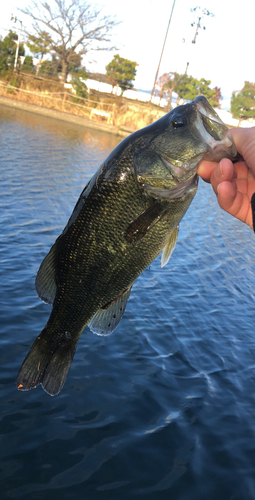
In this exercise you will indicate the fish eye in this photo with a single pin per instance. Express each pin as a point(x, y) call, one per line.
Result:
point(179, 121)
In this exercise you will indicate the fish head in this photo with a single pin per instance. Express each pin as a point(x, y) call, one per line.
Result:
point(167, 166)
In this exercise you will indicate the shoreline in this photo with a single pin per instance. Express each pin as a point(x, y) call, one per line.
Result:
point(62, 115)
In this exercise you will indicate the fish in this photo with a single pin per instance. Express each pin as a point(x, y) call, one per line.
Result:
point(127, 214)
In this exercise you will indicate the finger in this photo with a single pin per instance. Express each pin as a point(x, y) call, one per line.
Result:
point(205, 169)
point(228, 197)
point(224, 171)
point(235, 203)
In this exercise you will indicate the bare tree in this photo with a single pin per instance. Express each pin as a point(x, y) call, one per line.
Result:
point(167, 83)
point(162, 84)
point(69, 28)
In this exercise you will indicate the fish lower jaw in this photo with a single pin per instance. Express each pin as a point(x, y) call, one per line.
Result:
point(175, 170)
point(226, 143)
point(178, 171)
point(221, 149)
point(174, 193)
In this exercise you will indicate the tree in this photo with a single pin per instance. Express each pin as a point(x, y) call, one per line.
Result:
point(69, 28)
point(77, 81)
point(182, 87)
point(243, 102)
point(28, 64)
point(45, 68)
point(39, 45)
point(162, 83)
point(218, 96)
point(170, 82)
point(202, 88)
point(50, 67)
point(123, 71)
point(7, 51)
point(188, 88)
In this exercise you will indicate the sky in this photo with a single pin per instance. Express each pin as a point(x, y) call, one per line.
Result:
point(223, 52)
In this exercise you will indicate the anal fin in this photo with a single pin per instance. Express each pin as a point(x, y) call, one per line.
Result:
point(107, 319)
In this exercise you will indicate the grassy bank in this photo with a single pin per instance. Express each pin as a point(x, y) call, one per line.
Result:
point(51, 94)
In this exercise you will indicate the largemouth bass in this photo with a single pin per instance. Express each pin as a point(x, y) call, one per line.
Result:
point(126, 215)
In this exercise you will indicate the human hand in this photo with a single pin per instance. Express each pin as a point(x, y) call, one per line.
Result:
point(234, 184)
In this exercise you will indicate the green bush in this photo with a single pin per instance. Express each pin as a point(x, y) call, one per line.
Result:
point(80, 89)
point(28, 64)
point(46, 68)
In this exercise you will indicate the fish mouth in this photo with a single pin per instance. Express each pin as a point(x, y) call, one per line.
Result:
point(212, 131)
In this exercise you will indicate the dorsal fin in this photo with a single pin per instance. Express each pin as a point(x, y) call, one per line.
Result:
point(45, 283)
point(169, 248)
point(108, 318)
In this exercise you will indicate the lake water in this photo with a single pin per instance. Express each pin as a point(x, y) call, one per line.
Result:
point(164, 408)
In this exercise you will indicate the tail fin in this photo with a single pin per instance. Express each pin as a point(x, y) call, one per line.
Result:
point(47, 363)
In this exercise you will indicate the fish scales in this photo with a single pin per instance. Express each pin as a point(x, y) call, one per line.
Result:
point(126, 215)
point(101, 237)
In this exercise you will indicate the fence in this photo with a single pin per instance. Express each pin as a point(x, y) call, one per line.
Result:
point(121, 112)
point(63, 101)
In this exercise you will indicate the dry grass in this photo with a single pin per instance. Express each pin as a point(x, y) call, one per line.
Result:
point(51, 94)
point(135, 116)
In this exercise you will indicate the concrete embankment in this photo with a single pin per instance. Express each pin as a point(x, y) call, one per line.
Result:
point(61, 115)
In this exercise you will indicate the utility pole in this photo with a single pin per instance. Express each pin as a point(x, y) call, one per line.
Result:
point(200, 13)
point(157, 72)
point(18, 42)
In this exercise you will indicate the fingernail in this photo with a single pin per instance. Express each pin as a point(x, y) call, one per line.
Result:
point(218, 172)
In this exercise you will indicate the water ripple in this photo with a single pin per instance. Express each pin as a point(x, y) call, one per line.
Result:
point(164, 407)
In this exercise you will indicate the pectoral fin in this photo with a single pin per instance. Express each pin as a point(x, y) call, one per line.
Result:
point(139, 227)
point(108, 318)
point(169, 248)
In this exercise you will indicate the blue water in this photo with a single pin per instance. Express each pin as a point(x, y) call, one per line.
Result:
point(164, 408)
